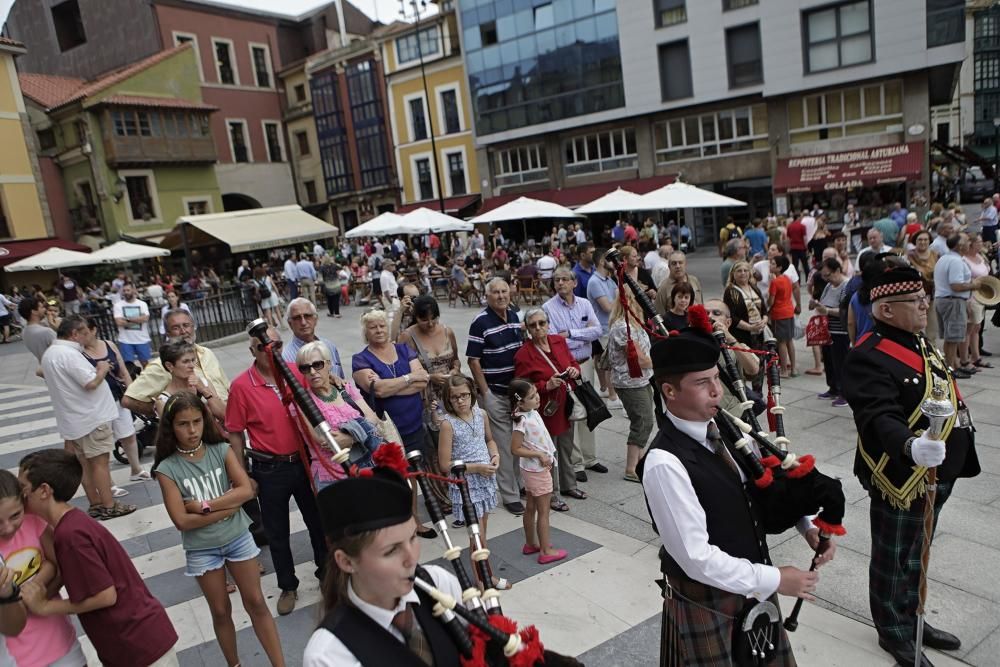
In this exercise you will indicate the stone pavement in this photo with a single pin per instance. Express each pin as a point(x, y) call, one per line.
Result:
point(600, 604)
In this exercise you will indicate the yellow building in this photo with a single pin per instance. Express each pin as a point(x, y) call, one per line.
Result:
point(23, 214)
point(430, 114)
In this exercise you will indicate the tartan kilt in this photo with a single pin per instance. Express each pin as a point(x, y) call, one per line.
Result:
point(695, 637)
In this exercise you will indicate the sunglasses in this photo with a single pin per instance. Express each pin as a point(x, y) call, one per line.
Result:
point(314, 366)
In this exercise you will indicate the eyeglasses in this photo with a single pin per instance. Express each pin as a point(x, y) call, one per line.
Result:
point(277, 345)
point(314, 366)
point(538, 324)
point(920, 299)
point(303, 316)
point(461, 397)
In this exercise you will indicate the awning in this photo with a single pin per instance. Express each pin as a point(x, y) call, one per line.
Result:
point(452, 205)
point(580, 195)
point(12, 251)
point(865, 167)
point(252, 229)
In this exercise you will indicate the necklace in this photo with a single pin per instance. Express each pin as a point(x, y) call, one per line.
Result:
point(190, 452)
point(389, 367)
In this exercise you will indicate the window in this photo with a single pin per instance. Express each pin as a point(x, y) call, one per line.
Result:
point(330, 132)
point(488, 33)
point(225, 67)
point(544, 18)
point(729, 5)
point(603, 151)
point(524, 164)
point(4, 223)
point(743, 55)
point(986, 71)
point(68, 23)
point(125, 123)
point(302, 142)
point(300, 92)
point(418, 119)
point(369, 125)
point(198, 205)
point(843, 113)
point(945, 22)
point(669, 12)
point(987, 30)
point(418, 45)
point(46, 139)
point(425, 184)
point(456, 173)
point(185, 38)
point(738, 130)
point(239, 143)
point(350, 219)
point(260, 57)
point(310, 188)
point(272, 135)
point(449, 108)
point(140, 196)
point(839, 36)
point(675, 71)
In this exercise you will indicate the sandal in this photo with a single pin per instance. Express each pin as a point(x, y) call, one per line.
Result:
point(118, 492)
point(115, 511)
point(502, 584)
point(982, 364)
point(575, 493)
point(141, 476)
point(631, 477)
point(95, 511)
point(558, 505)
point(814, 371)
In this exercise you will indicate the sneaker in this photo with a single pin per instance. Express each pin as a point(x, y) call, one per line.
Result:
point(603, 393)
point(615, 404)
point(827, 395)
point(286, 602)
point(839, 403)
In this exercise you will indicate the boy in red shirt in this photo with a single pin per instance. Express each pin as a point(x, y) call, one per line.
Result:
point(781, 310)
point(126, 624)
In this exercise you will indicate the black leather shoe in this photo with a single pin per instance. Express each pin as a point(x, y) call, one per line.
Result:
point(904, 652)
point(985, 353)
point(516, 508)
point(581, 476)
point(427, 533)
point(598, 467)
point(939, 639)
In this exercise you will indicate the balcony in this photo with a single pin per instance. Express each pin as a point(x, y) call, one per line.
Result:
point(142, 135)
point(137, 151)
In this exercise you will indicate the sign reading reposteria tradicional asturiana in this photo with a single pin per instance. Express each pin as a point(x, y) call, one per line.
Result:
point(863, 167)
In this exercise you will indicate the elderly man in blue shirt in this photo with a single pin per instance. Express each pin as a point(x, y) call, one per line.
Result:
point(575, 319)
point(302, 319)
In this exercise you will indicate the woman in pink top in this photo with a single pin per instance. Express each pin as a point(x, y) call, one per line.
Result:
point(26, 547)
point(969, 350)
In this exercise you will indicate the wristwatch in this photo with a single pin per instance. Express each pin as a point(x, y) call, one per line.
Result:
point(205, 507)
point(408, 380)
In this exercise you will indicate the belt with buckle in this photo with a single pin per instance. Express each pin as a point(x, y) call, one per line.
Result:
point(265, 457)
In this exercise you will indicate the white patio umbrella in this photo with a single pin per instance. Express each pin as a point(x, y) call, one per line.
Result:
point(524, 208)
point(52, 258)
point(123, 251)
point(684, 195)
point(425, 220)
point(384, 224)
point(619, 201)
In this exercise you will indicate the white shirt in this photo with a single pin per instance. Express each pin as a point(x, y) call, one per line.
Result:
point(155, 294)
point(680, 520)
point(650, 259)
point(318, 250)
point(581, 236)
point(388, 283)
point(764, 268)
point(326, 650)
point(78, 411)
point(660, 272)
point(132, 333)
point(546, 264)
point(810, 225)
point(291, 274)
point(878, 251)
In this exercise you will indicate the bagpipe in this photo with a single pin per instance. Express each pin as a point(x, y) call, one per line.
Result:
point(483, 636)
point(785, 487)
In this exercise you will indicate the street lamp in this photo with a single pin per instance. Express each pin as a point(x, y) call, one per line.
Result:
point(996, 149)
point(417, 6)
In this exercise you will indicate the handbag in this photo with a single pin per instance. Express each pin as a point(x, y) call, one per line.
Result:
point(818, 331)
point(386, 427)
point(797, 331)
point(583, 399)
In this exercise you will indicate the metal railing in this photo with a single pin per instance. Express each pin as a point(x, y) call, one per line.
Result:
point(216, 316)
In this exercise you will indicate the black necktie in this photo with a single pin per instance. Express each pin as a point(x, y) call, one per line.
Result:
point(715, 441)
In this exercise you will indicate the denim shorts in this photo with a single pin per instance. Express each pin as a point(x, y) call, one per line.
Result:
point(133, 351)
point(200, 561)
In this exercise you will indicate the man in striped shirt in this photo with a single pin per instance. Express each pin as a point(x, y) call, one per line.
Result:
point(495, 335)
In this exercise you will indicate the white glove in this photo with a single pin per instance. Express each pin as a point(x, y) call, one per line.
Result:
point(926, 452)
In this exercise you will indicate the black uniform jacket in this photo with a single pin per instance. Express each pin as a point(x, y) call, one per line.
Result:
point(885, 379)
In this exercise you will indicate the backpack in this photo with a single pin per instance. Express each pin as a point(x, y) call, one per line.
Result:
point(263, 291)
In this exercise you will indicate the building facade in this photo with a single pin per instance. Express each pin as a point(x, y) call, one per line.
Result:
point(133, 150)
point(431, 115)
point(703, 83)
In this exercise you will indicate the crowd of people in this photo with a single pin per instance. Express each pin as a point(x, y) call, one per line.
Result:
point(230, 456)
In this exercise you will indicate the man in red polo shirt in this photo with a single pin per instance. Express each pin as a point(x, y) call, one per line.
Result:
point(263, 430)
point(796, 233)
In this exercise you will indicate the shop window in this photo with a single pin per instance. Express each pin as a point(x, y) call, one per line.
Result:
point(68, 23)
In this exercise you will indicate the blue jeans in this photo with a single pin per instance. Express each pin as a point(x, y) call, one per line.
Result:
point(278, 482)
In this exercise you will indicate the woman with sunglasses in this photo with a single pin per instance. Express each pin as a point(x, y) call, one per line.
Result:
point(350, 418)
point(545, 361)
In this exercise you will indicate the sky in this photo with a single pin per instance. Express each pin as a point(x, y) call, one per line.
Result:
point(385, 11)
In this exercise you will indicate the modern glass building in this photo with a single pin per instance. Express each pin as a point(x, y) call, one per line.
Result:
point(536, 61)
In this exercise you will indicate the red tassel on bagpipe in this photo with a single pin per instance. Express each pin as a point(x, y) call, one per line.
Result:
point(632, 358)
point(764, 480)
point(806, 463)
point(829, 528)
point(770, 461)
point(531, 653)
point(772, 421)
